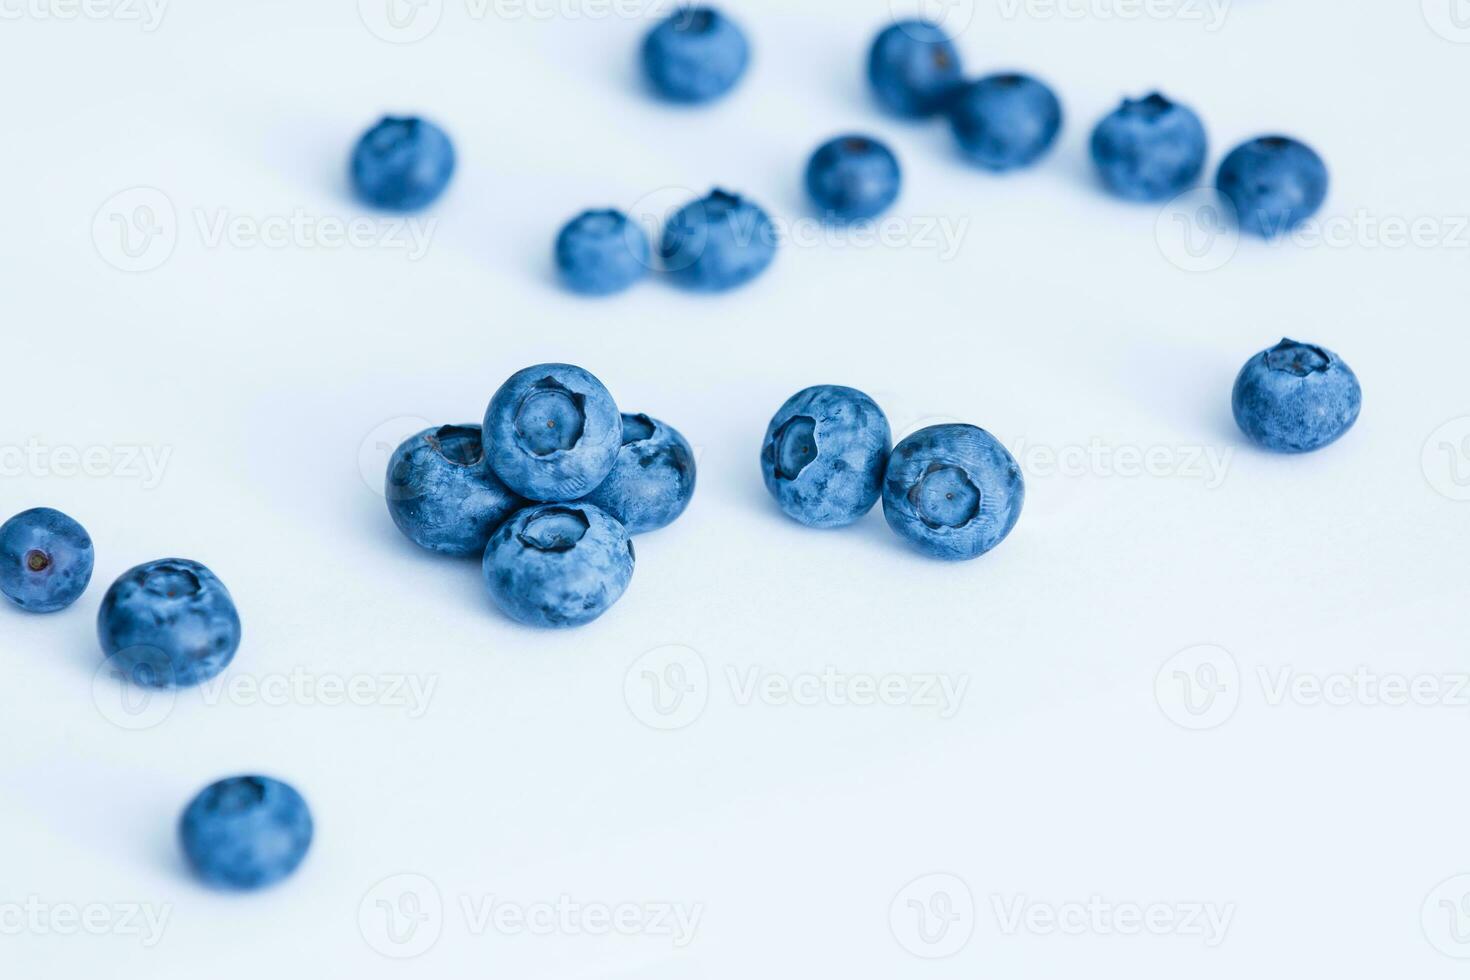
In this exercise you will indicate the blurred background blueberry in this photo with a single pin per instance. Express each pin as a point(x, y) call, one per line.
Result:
point(1149, 149)
point(402, 164)
point(914, 68)
point(1274, 182)
point(953, 491)
point(824, 453)
point(696, 54)
point(602, 252)
point(442, 493)
point(1296, 397)
point(1004, 122)
point(718, 242)
point(653, 479)
point(45, 560)
point(558, 565)
point(245, 832)
point(168, 623)
point(552, 432)
point(853, 177)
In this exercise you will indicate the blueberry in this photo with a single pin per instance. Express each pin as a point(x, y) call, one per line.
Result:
point(695, 55)
point(1295, 398)
point(1004, 122)
point(953, 491)
point(443, 494)
point(245, 832)
point(824, 454)
point(1275, 184)
point(554, 432)
point(653, 479)
point(853, 177)
point(718, 242)
point(558, 564)
point(45, 560)
point(914, 68)
point(602, 252)
point(1149, 149)
point(402, 163)
point(169, 623)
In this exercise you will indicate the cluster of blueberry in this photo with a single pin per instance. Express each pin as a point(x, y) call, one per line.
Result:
point(166, 624)
point(547, 492)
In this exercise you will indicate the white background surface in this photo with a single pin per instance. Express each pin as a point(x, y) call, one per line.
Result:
point(268, 375)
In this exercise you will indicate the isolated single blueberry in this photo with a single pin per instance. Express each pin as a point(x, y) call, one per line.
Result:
point(653, 479)
point(914, 68)
point(169, 623)
point(718, 242)
point(1275, 184)
point(953, 491)
point(1004, 122)
point(824, 454)
point(558, 565)
point(553, 432)
point(245, 832)
point(602, 252)
point(443, 494)
point(402, 163)
point(1295, 398)
point(853, 177)
point(45, 560)
point(696, 54)
point(1149, 149)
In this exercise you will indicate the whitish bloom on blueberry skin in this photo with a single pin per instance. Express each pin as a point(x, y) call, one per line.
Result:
point(558, 565)
point(824, 454)
point(402, 163)
point(1005, 122)
point(169, 623)
point(653, 479)
point(245, 832)
point(695, 55)
point(599, 253)
point(1296, 397)
point(1149, 149)
point(443, 494)
point(953, 491)
point(914, 68)
point(45, 560)
point(1274, 182)
point(718, 242)
point(553, 432)
point(853, 177)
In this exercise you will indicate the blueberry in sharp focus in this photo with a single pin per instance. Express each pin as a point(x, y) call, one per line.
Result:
point(1295, 398)
point(245, 832)
point(696, 54)
point(1274, 182)
point(443, 494)
point(824, 454)
point(558, 565)
point(553, 432)
point(653, 479)
point(402, 163)
point(1149, 149)
point(953, 491)
point(914, 68)
point(718, 242)
point(169, 623)
point(602, 252)
point(1005, 122)
point(45, 560)
point(853, 177)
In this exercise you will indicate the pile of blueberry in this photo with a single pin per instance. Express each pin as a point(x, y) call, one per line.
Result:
point(548, 492)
